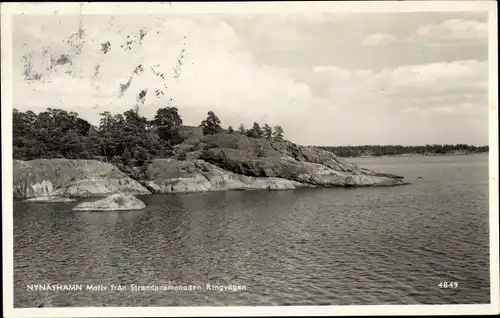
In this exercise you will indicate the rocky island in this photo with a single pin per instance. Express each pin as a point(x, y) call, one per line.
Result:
point(60, 157)
point(211, 163)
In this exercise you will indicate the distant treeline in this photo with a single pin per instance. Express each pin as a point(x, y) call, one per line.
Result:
point(394, 150)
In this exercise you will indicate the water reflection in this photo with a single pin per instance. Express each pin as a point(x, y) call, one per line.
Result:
point(313, 246)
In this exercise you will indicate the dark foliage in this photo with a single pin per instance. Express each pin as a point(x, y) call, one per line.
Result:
point(122, 139)
point(278, 133)
point(211, 125)
point(131, 141)
point(267, 132)
point(255, 132)
point(391, 150)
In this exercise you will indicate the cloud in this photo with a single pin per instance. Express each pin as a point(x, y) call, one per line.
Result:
point(217, 73)
point(338, 76)
point(448, 98)
point(378, 40)
point(367, 106)
point(453, 31)
point(437, 77)
point(326, 104)
point(442, 109)
point(421, 85)
point(410, 110)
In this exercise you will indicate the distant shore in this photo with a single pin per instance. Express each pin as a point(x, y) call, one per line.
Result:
point(421, 155)
point(404, 151)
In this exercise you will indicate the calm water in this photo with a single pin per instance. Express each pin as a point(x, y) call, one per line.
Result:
point(389, 245)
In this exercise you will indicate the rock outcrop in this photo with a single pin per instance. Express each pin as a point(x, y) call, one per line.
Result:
point(211, 163)
point(172, 175)
point(115, 202)
point(70, 178)
point(259, 158)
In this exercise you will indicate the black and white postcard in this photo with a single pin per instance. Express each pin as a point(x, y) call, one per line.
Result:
point(250, 158)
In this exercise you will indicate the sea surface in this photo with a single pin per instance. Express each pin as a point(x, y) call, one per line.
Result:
point(330, 246)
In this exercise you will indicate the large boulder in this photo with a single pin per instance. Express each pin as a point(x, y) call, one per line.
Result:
point(70, 178)
point(115, 202)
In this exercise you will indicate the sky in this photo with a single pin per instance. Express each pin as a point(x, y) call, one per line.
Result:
point(327, 78)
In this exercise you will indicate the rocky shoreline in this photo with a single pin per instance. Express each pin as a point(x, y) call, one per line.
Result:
point(214, 163)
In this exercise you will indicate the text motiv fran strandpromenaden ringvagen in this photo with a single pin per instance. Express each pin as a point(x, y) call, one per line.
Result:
point(133, 287)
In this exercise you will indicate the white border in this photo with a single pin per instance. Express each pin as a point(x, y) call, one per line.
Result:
point(9, 9)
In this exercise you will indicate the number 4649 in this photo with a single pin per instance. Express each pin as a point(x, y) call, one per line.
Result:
point(448, 285)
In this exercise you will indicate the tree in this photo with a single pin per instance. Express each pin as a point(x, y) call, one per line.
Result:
point(140, 155)
point(167, 122)
point(230, 129)
point(83, 127)
point(255, 132)
point(168, 116)
point(211, 125)
point(267, 132)
point(127, 156)
point(51, 130)
point(72, 145)
point(22, 132)
point(54, 133)
point(170, 136)
point(134, 121)
point(241, 129)
point(278, 133)
point(106, 121)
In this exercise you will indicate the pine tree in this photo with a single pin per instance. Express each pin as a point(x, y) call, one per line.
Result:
point(267, 132)
point(278, 133)
point(256, 131)
point(211, 125)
